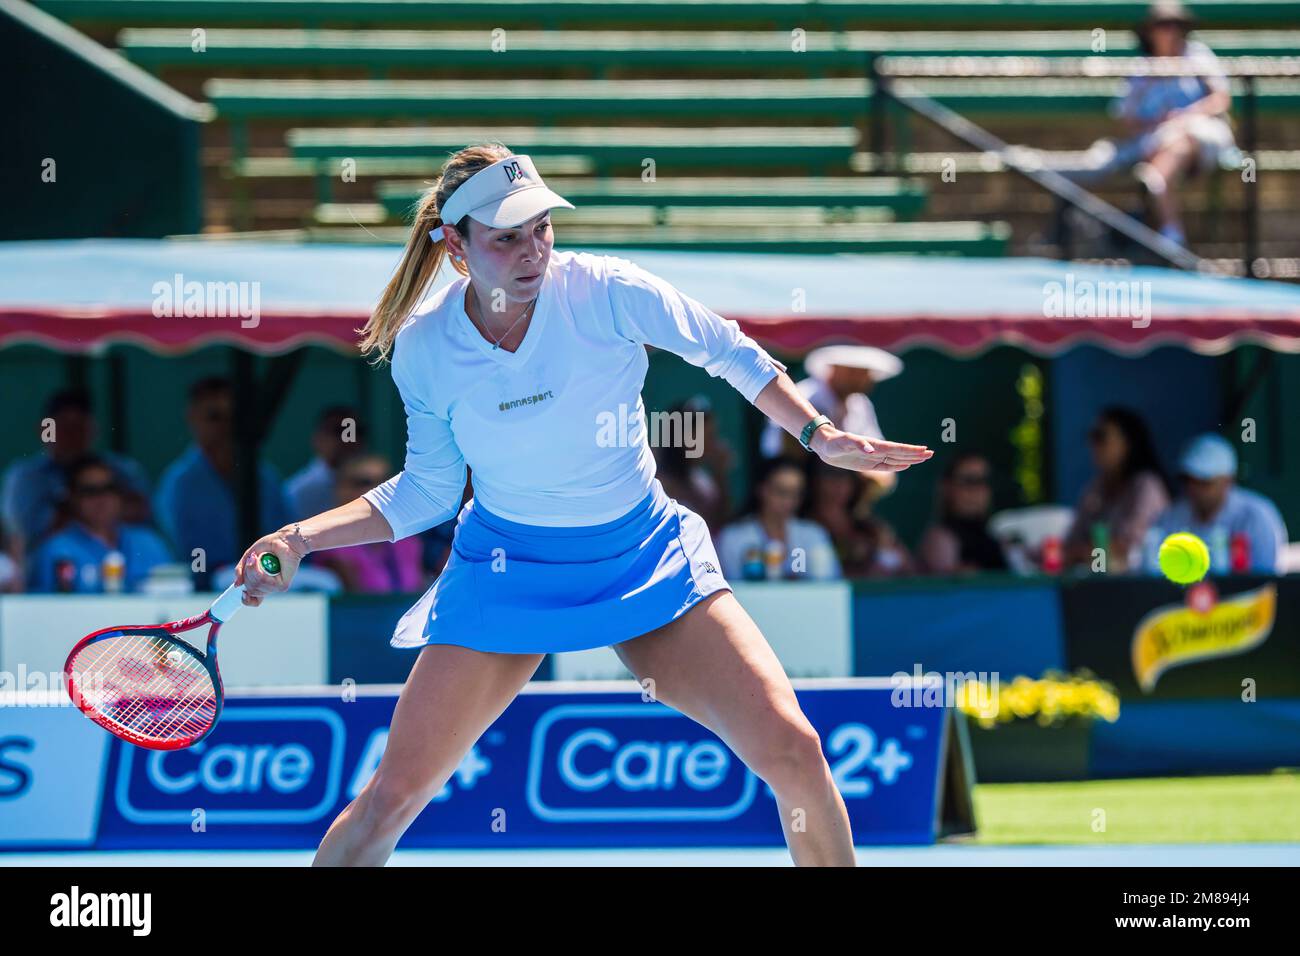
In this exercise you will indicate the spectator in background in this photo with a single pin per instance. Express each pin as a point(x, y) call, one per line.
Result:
point(1214, 509)
point(694, 470)
point(337, 433)
point(840, 379)
point(34, 486)
point(1176, 126)
point(437, 540)
point(959, 542)
point(1121, 501)
point(865, 544)
point(381, 567)
point(436, 546)
point(77, 557)
point(195, 503)
point(11, 576)
point(770, 541)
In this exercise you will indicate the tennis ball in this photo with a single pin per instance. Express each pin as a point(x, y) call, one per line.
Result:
point(1184, 558)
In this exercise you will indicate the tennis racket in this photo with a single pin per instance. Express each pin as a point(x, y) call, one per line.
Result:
point(147, 687)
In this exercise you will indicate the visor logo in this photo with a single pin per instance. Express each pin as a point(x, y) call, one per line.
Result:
point(513, 171)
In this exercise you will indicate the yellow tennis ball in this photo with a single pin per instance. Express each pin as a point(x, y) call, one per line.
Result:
point(1184, 558)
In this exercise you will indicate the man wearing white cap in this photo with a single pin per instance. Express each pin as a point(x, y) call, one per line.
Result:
point(1214, 509)
point(840, 378)
point(529, 368)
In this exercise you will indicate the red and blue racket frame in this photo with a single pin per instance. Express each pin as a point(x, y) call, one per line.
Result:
point(154, 640)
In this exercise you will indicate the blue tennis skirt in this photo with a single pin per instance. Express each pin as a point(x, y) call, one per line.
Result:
point(530, 589)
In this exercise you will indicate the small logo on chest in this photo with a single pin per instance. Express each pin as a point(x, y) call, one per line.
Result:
point(533, 399)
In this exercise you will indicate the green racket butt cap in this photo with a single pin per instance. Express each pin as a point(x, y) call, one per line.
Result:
point(270, 563)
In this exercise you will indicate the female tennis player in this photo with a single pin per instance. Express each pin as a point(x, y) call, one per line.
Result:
point(517, 370)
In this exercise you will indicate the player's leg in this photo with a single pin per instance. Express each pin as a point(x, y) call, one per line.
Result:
point(714, 665)
point(452, 696)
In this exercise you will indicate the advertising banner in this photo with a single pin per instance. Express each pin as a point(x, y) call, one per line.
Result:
point(1208, 676)
point(566, 765)
point(1155, 640)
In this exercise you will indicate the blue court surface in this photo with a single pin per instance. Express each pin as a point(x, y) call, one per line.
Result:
point(1219, 854)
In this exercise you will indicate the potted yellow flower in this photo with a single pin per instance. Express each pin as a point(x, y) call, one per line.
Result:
point(1032, 730)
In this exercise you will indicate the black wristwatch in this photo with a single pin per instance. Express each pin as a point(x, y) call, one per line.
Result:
point(806, 435)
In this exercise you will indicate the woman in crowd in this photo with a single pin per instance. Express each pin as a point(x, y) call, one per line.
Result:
point(865, 543)
point(380, 567)
point(958, 541)
point(1127, 493)
point(770, 541)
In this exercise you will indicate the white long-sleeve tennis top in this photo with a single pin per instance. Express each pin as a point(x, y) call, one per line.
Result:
point(555, 431)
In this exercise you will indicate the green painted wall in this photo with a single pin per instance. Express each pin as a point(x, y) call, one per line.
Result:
point(99, 154)
point(1271, 464)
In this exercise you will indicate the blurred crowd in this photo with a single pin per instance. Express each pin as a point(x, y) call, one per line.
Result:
point(807, 520)
point(80, 520)
point(73, 519)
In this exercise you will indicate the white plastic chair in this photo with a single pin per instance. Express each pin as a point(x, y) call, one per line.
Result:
point(1021, 531)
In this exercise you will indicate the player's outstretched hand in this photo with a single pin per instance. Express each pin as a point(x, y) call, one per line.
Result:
point(250, 573)
point(858, 453)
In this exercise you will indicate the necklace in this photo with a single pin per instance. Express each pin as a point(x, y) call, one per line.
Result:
point(496, 343)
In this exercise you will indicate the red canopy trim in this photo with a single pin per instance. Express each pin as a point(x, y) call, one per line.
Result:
point(971, 335)
point(88, 330)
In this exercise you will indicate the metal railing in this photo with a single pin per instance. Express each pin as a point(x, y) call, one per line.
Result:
point(891, 78)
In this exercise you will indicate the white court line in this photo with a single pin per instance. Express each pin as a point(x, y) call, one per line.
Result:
point(1221, 854)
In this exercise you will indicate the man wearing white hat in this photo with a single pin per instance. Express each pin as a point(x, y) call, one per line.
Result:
point(840, 377)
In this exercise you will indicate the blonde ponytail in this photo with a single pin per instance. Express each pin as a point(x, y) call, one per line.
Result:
point(422, 258)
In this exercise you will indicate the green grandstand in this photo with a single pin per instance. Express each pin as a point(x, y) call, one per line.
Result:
point(767, 120)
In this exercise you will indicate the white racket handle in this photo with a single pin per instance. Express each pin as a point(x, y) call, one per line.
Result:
point(231, 600)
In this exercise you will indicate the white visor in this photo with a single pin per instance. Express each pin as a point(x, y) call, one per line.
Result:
point(505, 194)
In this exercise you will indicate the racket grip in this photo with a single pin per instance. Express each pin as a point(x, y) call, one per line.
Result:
point(231, 600)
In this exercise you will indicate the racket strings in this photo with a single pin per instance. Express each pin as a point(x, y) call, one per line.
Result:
point(163, 708)
point(150, 678)
point(192, 714)
point(147, 687)
point(188, 714)
point(142, 678)
point(187, 710)
point(130, 676)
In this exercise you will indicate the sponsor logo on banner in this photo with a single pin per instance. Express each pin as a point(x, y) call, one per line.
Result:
point(15, 772)
point(1207, 627)
point(643, 762)
point(52, 763)
point(262, 765)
